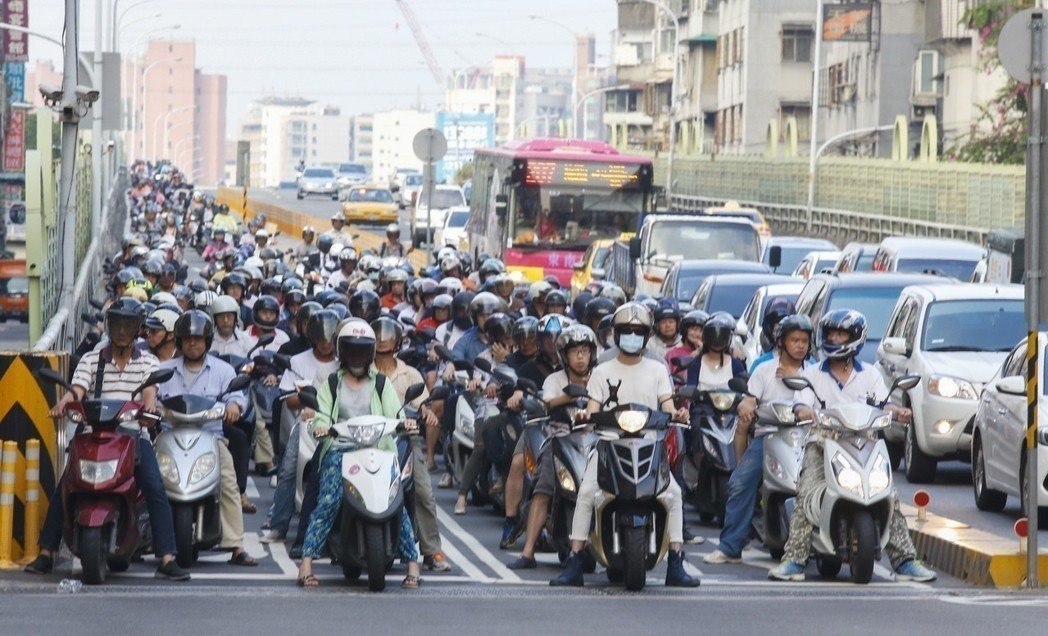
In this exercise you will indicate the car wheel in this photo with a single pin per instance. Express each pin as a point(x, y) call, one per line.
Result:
point(299, 195)
point(985, 497)
point(1042, 511)
point(920, 468)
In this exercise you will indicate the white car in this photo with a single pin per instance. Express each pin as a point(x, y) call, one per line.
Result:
point(453, 231)
point(999, 437)
point(749, 326)
point(954, 336)
point(815, 262)
point(430, 211)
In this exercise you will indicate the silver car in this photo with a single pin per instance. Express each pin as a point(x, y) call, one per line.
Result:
point(320, 181)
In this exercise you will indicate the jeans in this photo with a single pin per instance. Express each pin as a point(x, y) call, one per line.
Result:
point(743, 485)
point(284, 497)
point(149, 481)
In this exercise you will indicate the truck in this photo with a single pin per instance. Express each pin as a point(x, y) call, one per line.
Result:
point(14, 290)
point(639, 263)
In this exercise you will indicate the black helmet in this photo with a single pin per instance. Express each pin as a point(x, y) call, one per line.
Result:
point(776, 310)
point(848, 320)
point(322, 326)
point(306, 310)
point(694, 318)
point(153, 267)
point(596, 309)
point(263, 303)
point(324, 243)
point(291, 282)
point(717, 332)
point(326, 297)
point(125, 313)
point(490, 267)
point(667, 308)
point(574, 336)
point(578, 305)
point(485, 303)
point(365, 304)
point(460, 314)
point(386, 328)
point(525, 328)
point(294, 297)
point(194, 323)
point(442, 301)
point(340, 310)
point(197, 284)
point(791, 323)
point(557, 298)
point(498, 327)
point(231, 279)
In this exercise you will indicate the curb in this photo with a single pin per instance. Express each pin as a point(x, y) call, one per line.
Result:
point(972, 555)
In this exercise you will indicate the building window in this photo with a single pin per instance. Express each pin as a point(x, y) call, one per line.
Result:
point(738, 44)
point(796, 43)
point(737, 118)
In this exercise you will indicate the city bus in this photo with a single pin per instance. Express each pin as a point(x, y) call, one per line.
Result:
point(539, 203)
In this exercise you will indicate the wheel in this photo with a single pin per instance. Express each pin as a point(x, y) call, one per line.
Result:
point(334, 197)
point(375, 556)
point(862, 535)
point(985, 497)
point(920, 468)
point(118, 564)
point(299, 196)
point(828, 568)
point(895, 454)
point(352, 573)
point(183, 517)
point(1042, 512)
point(92, 555)
point(589, 564)
point(614, 576)
point(634, 550)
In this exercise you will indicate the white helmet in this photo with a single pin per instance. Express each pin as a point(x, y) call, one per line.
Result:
point(162, 318)
point(224, 305)
point(160, 298)
point(356, 347)
point(204, 300)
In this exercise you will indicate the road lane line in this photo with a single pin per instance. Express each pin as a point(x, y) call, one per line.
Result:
point(252, 491)
point(471, 542)
point(278, 551)
point(459, 559)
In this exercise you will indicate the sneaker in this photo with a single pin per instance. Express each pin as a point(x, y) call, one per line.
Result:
point(273, 481)
point(437, 562)
point(676, 575)
point(572, 574)
point(172, 572)
point(511, 531)
point(41, 565)
point(914, 570)
point(523, 563)
point(787, 571)
point(717, 558)
point(271, 536)
point(497, 487)
point(445, 481)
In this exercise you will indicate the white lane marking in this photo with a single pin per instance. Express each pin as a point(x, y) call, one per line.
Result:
point(279, 553)
point(244, 576)
point(471, 542)
point(251, 491)
point(459, 559)
point(252, 545)
point(754, 558)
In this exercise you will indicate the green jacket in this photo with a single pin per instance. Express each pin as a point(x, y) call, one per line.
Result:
point(387, 404)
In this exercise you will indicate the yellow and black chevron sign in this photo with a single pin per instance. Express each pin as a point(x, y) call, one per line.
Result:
point(24, 405)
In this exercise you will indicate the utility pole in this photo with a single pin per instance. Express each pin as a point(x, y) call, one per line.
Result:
point(70, 117)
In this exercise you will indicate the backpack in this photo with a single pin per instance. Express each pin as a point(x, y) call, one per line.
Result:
point(380, 385)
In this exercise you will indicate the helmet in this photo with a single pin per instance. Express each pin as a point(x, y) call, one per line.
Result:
point(194, 323)
point(197, 284)
point(294, 297)
point(449, 285)
point(574, 336)
point(498, 327)
point(604, 327)
point(263, 303)
point(460, 309)
point(556, 298)
point(776, 310)
point(442, 301)
point(371, 266)
point(667, 308)
point(365, 304)
point(164, 297)
point(791, 323)
point(648, 302)
point(550, 326)
point(525, 328)
point(717, 332)
point(392, 230)
point(485, 303)
point(347, 255)
point(204, 299)
point(539, 289)
point(162, 318)
point(233, 278)
point(397, 276)
point(337, 216)
point(502, 284)
point(632, 314)
point(597, 308)
point(153, 267)
point(225, 305)
point(578, 305)
point(490, 267)
point(309, 231)
point(326, 297)
point(449, 264)
point(694, 318)
point(386, 328)
point(261, 234)
point(324, 243)
point(356, 347)
point(291, 282)
point(302, 315)
point(322, 326)
point(615, 293)
point(848, 320)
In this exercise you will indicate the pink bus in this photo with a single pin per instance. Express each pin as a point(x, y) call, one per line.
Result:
point(538, 203)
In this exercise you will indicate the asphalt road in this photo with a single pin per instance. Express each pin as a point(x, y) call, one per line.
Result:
point(14, 335)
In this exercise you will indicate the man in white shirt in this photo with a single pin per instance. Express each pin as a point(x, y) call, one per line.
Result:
point(229, 339)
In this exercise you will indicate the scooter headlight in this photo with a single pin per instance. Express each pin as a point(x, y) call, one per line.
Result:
point(129, 416)
point(367, 435)
point(631, 421)
point(774, 467)
point(97, 472)
point(883, 421)
point(202, 467)
point(215, 412)
point(880, 476)
point(394, 488)
point(564, 478)
point(784, 413)
point(168, 469)
point(722, 400)
point(847, 477)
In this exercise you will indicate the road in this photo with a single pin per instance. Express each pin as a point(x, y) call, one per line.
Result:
point(14, 335)
point(323, 209)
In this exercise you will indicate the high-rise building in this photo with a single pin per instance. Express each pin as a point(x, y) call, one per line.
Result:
point(391, 141)
point(361, 133)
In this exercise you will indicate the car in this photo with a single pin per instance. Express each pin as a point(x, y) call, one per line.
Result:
point(410, 186)
point(999, 436)
point(430, 213)
point(350, 174)
point(369, 204)
point(791, 249)
point(396, 180)
point(684, 277)
point(731, 292)
point(856, 257)
point(732, 208)
point(318, 180)
point(592, 266)
point(815, 263)
point(453, 231)
point(948, 257)
point(955, 337)
point(749, 328)
point(14, 290)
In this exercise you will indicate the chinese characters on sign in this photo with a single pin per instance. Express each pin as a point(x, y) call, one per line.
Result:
point(14, 133)
point(16, 49)
point(852, 22)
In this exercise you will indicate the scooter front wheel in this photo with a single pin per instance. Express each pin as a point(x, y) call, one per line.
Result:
point(183, 518)
point(375, 555)
point(92, 555)
point(863, 538)
point(634, 550)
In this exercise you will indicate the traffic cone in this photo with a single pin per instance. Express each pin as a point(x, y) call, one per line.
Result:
point(32, 501)
point(7, 504)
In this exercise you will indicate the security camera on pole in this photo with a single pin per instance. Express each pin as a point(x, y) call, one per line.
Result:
point(1023, 54)
point(430, 146)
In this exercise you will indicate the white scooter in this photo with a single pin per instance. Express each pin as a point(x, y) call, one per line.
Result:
point(852, 510)
point(469, 409)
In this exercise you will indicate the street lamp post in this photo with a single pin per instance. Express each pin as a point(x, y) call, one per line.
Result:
point(812, 154)
point(156, 122)
point(177, 150)
point(114, 28)
point(596, 91)
point(134, 102)
point(673, 91)
point(574, 72)
point(858, 132)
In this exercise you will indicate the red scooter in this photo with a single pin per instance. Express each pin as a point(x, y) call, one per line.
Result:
point(105, 523)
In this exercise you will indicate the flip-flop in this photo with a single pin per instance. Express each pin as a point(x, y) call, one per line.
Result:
point(308, 581)
point(411, 582)
point(242, 558)
point(249, 508)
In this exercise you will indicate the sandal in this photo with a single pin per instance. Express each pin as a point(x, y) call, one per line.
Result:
point(308, 581)
point(244, 559)
point(460, 508)
point(411, 582)
point(248, 507)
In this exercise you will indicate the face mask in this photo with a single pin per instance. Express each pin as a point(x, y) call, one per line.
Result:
point(631, 343)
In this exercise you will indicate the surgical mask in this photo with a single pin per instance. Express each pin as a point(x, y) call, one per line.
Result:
point(631, 343)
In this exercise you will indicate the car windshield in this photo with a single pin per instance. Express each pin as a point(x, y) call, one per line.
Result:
point(973, 325)
point(318, 173)
point(698, 240)
point(730, 298)
point(961, 270)
point(370, 195)
point(791, 256)
point(352, 168)
point(600, 257)
point(443, 199)
point(865, 263)
point(458, 218)
point(412, 179)
point(875, 303)
point(15, 285)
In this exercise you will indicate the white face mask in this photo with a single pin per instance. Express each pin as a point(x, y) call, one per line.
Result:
point(631, 343)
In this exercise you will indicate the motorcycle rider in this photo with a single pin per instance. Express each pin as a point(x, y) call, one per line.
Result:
point(842, 378)
point(223, 220)
point(792, 346)
point(197, 373)
point(229, 338)
point(577, 346)
point(337, 232)
point(160, 328)
point(448, 333)
point(346, 274)
point(396, 283)
point(307, 246)
point(110, 372)
point(392, 245)
point(641, 381)
point(667, 327)
point(776, 310)
point(691, 338)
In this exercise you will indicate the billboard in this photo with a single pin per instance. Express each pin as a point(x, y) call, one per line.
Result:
point(15, 44)
point(14, 124)
point(465, 132)
point(852, 22)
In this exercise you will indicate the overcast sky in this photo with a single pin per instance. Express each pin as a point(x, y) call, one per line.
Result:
point(359, 54)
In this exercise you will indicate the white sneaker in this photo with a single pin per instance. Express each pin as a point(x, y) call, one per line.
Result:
point(273, 481)
point(717, 557)
point(270, 536)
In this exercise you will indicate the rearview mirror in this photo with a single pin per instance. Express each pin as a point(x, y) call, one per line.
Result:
point(439, 393)
point(262, 343)
point(895, 346)
point(739, 385)
point(634, 247)
point(528, 385)
point(797, 384)
point(50, 375)
point(282, 361)
point(239, 383)
point(1012, 385)
point(483, 364)
point(576, 391)
point(463, 365)
point(906, 382)
point(414, 392)
point(307, 396)
point(157, 377)
point(579, 266)
point(501, 206)
point(442, 352)
point(598, 273)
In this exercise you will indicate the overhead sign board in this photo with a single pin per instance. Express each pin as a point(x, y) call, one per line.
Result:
point(852, 22)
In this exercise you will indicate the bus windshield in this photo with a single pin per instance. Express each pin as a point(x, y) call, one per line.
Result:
point(569, 217)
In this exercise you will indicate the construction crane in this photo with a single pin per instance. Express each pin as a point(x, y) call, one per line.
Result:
point(420, 39)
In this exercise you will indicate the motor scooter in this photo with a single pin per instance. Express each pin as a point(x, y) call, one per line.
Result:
point(704, 479)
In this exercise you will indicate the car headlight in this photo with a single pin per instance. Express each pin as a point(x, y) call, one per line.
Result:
point(129, 416)
point(847, 477)
point(202, 467)
point(168, 470)
point(722, 400)
point(328, 185)
point(880, 476)
point(367, 435)
point(774, 467)
point(97, 472)
point(567, 482)
point(631, 421)
point(1042, 435)
point(950, 387)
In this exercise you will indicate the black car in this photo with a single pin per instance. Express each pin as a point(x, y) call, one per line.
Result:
point(732, 292)
point(684, 277)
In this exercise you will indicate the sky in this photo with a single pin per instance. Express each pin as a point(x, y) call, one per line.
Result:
point(358, 54)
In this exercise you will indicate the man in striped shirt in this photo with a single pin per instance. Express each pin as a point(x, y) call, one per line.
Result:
point(114, 371)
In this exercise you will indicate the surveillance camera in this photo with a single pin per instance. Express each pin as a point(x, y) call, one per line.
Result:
point(51, 92)
point(87, 94)
point(110, 144)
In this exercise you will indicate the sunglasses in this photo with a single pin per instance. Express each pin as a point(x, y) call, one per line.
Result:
point(636, 331)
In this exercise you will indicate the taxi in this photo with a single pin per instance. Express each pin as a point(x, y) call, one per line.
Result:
point(594, 260)
point(369, 204)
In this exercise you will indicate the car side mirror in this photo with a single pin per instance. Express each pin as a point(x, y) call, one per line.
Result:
point(1012, 385)
point(742, 330)
point(895, 346)
point(597, 273)
point(775, 256)
point(579, 266)
point(634, 247)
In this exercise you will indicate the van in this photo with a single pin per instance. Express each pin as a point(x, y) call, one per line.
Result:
point(14, 290)
point(944, 257)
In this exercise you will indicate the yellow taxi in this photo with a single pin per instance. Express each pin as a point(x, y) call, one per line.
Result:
point(595, 259)
point(369, 204)
point(753, 215)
